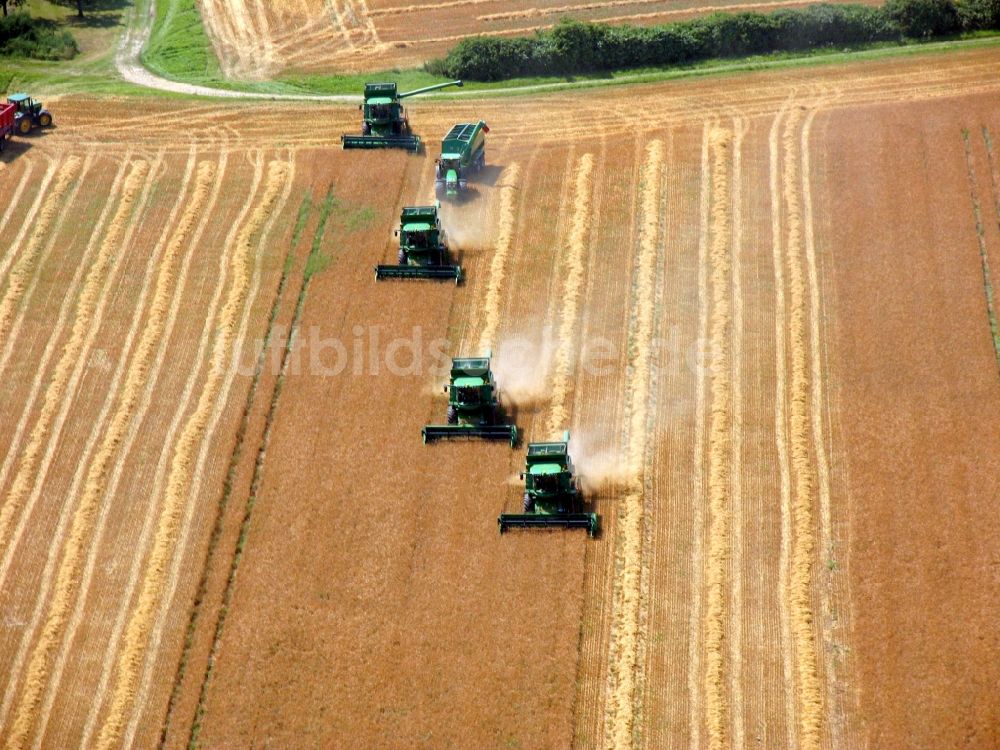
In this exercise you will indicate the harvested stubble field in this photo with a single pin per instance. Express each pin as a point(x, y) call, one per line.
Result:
point(255, 40)
point(759, 307)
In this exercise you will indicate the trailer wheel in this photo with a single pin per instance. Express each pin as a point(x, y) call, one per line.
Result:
point(452, 415)
point(45, 119)
point(529, 504)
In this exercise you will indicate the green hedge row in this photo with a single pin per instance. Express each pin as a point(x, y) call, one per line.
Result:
point(24, 36)
point(578, 47)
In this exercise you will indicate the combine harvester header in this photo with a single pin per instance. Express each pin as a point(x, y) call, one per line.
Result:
point(551, 497)
point(463, 153)
point(384, 121)
point(473, 405)
point(423, 253)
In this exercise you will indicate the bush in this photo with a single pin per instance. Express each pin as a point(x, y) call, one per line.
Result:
point(978, 15)
point(576, 47)
point(923, 19)
point(24, 36)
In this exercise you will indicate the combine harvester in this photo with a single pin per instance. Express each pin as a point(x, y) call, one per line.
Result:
point(551, 497)
point(384, 123)
point(463, 153)
point(423, 253)
point(29, 114)
point(473, 405)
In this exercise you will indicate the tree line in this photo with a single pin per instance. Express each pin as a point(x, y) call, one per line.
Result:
point(574, 47)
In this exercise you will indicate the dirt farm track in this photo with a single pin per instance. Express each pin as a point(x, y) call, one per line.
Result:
point(759, 303)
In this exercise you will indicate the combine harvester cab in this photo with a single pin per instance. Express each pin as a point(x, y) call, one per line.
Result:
point(473, 405)
point(384, 121)
point(28, 114)
point(423, 253)
point(551, 497)
point(463, 154)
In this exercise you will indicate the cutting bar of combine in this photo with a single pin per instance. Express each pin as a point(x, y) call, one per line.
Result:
point(443, 273)
point(506, 432)
point(588, 521)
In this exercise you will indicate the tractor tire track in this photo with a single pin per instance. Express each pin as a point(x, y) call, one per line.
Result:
point(179, 482)
point(69, 368)
point(184, 403)
point(145, 373)
point(808, 691)
point(717, 706)
point(984, 256)
point(501, 251)
point(626, 629)
point(573, 262)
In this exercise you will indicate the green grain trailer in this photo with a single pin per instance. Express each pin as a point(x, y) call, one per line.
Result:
point(551, 497)
point(423, 253)
point(29, 114)
point(463, 153)
point(384, 122)
point(473, 405)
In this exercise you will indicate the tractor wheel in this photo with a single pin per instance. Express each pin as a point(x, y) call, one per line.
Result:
point(24, 125)
point(452, 415)
point(529, 504)
point(45, 119)
point(366, 129)
point(402, 257)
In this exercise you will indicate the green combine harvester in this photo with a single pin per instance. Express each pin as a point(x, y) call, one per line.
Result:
point(384, 123)
point(29, 114)
point(473, 405)
point(551, 497)
point(463, 153)
point(423, 253)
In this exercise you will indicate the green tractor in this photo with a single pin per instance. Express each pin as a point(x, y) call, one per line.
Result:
point(473, 405)
point(423, 253)
point(384, 123)
point(551, 497)
point(463, 153)
point(29, 115)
